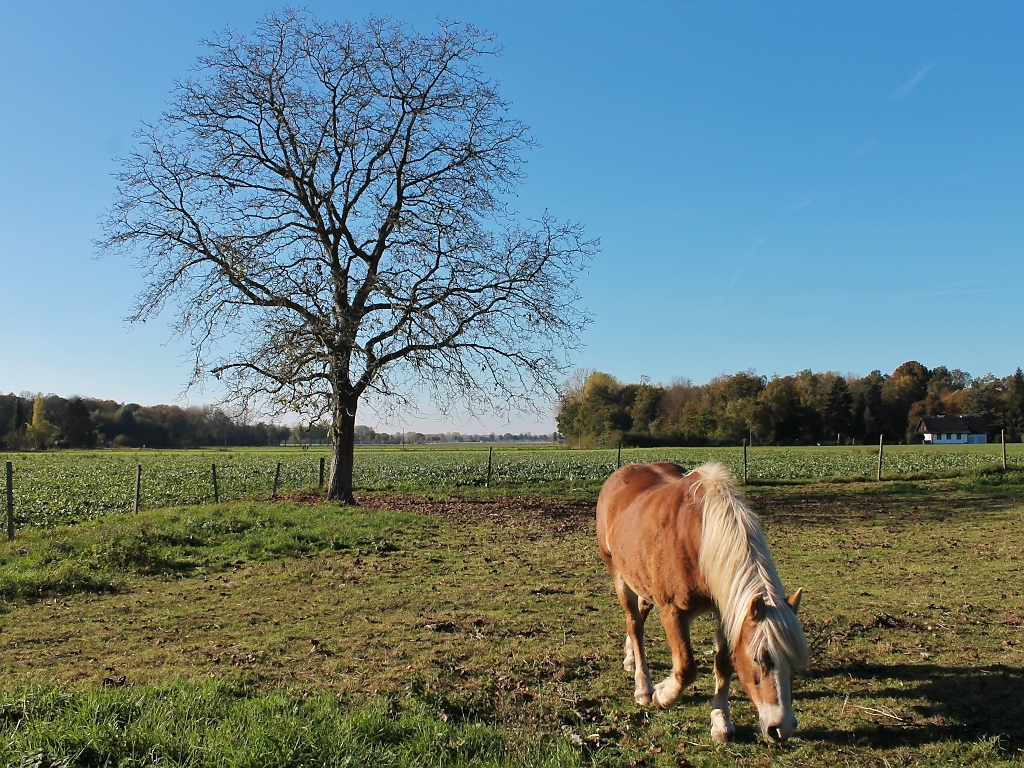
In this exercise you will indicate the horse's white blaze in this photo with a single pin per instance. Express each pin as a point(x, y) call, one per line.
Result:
point(779, 715)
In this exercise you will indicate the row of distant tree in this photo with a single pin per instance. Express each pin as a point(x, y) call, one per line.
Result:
point(802, 409)
point(39, 422)
point(364, 435)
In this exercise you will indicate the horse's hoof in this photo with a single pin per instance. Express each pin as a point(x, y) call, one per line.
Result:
point(629, 666)
point(720, 736)
point(722, 731)
point(663, 698)
point(643, 698)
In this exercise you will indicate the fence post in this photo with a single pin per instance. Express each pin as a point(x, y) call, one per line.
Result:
point(744, 462)
point(216, 493)
point(277, 477)
point(1002, 437)
point(490, 458)
point(321, 472)
point(881, 439)
point(138, 486)
point(618, 460)
point(10, 500)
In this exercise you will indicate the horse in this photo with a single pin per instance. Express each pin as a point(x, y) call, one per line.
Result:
point(689, 543)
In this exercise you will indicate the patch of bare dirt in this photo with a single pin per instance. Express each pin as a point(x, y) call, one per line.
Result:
point(560, 514)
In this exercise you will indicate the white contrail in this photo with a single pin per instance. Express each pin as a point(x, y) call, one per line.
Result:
point(904, 90)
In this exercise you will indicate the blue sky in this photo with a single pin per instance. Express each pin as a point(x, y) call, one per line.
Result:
point(834, 186)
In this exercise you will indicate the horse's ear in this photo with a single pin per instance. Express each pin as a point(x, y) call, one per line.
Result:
point(758, 608)
point(794, 600)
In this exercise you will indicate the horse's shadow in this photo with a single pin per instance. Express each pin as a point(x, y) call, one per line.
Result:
point(942, 704)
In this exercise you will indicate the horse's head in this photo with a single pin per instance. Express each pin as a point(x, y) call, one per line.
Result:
point(765, 662)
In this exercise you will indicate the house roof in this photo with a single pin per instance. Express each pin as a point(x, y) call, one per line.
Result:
point(956, 424)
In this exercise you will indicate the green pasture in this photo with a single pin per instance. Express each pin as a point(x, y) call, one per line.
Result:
point(59, 487)
point(478, 627)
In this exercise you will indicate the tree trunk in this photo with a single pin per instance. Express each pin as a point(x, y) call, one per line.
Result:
point(343, 440)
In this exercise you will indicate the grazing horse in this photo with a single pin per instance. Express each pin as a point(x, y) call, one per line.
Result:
point(688, 543)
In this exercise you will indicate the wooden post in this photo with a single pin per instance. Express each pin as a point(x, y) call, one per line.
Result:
point(618, 460)
point(10, 500)
point(216, 493)
point(490, 458)
point(744, 462)
point(881, 440)
point(1002, 437)
point(277, 477)
point(321, 472)
point(138, 486)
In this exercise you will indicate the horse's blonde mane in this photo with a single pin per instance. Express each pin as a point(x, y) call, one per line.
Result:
point(735, 563)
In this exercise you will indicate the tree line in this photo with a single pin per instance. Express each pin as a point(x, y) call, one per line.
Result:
point(39, 422)
point(802, 409)
point(319, 434)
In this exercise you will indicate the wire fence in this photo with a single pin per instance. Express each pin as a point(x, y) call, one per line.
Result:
point(52, 488)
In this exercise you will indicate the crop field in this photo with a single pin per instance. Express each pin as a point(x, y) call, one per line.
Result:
point(479, 627)
point(62, 487)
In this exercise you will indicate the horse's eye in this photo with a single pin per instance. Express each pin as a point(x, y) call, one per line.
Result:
point(766, 663)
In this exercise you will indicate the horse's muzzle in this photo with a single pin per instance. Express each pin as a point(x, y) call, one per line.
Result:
point(777, 734)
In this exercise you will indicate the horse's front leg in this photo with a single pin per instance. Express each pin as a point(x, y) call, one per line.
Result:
point(684, 668)
point(721, 726)
point(636, 609)
point(629, 658)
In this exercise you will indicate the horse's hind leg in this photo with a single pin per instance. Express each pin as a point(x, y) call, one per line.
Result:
point(721, 727)
point(629, 660)
point(684, 669)
point(636, 609)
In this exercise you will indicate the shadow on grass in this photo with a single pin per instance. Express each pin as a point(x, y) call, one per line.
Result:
point(943, 704)
point(897, 503)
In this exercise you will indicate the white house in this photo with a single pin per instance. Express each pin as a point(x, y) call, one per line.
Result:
point(952, 430)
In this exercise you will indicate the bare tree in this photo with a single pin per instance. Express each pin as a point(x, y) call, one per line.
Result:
point(325, 206)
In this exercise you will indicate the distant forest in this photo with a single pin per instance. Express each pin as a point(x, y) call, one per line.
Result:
point(46, 421)
point(803, 409)
point(39, 422)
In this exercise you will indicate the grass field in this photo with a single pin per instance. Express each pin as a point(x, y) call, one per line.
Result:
point(478, 626)
point(70, 486)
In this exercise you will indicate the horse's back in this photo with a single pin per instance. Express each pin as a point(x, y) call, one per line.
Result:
point(629, 482)
point(648, 527)
point(625, 485)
